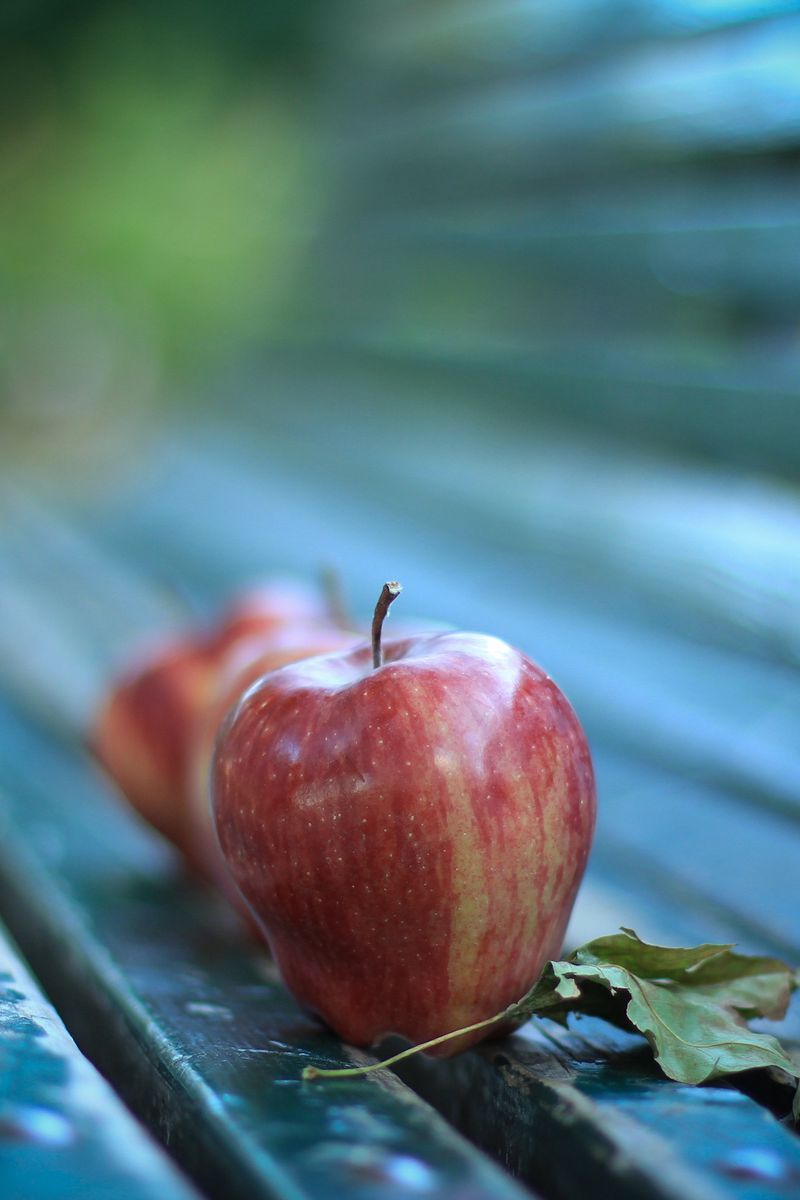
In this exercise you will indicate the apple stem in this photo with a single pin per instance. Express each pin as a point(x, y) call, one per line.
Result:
point(351, 1072)
point(388, 595)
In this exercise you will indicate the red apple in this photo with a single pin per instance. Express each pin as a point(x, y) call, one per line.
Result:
point(145, 729)
point(246, 664)
point(409, 826)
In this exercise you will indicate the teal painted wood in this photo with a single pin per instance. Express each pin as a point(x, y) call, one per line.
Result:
point(673, 853)
point(525, 281)
point(433, 45)
point(584, 207)
point(594, 1118)
point(63, 1131)
point(725, 853)
point(161, 988)
point(614, 540)
point(664, 102)
point(682, 408)
point(706, 714)
point(656, 696)
point(620, 348)
point(683, 248)
point(165, 977)
point(707, 849)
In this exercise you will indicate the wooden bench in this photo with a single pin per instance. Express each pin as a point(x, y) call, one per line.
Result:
point(191, 1026)
point(544, 373)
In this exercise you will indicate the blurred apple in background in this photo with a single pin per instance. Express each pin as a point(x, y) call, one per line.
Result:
point(247, 663)
point(145, 731)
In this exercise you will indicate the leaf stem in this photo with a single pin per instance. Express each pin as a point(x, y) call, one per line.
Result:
point(351, 1072)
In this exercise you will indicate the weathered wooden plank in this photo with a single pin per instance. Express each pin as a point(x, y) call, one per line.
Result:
point(694, 242)
point(160, 987)
point(714, 554)
point(508, 318)
point(675, 291)
point(438, 45)
point(591, 1129)
point(710, 95)
point(707, 710)
point(639, 118)
point(679, 841)
point(616, 535)
point(709, 866)
point(191, 1024)
point(70, 614)
point(672, 406)
point(648, 812)
point(63, 1131)
point(695, 842)
point(593, 1117)
point(687, 704)
point(669, 833)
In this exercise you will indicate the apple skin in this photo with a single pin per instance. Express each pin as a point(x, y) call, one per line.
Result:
point(245, 665)
point(410, 838)
point(144, 731)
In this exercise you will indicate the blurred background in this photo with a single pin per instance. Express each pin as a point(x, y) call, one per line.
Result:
point(159, 181)
point(501, 299)
point(582, 212)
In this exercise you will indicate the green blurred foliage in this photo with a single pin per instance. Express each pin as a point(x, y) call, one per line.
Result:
point(156, 192)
